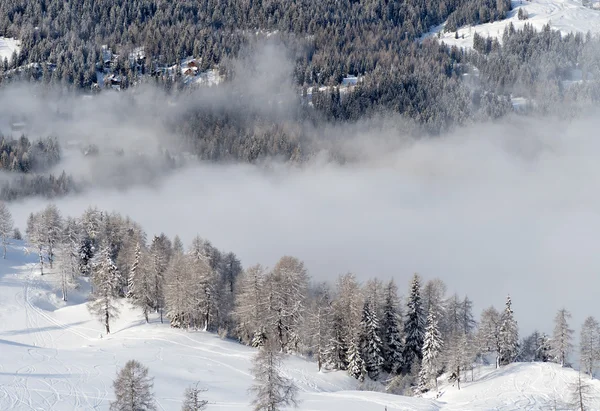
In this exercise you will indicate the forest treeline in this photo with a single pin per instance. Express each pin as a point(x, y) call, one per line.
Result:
point(368, 329)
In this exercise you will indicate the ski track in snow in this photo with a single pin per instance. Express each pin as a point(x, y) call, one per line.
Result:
point(53, 359)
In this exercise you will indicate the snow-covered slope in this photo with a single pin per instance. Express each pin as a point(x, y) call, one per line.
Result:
point(53, 357)
point(564, 15)
point(7, 47)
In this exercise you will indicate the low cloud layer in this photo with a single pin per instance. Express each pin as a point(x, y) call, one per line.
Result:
point(492, 210)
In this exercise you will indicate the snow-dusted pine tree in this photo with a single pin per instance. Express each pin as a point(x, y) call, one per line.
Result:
point(102, 302)
point(589, 343)
point(356, 364)
point(272, 390)
point(191, 399)
point(390, 328)
point(6, 225)
point(561, 343)
point(133, 389)
point(370, 342)
point(432, 347)
point(508, 335)
point(414, 327)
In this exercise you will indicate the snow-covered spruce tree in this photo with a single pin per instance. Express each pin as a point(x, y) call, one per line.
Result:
point(356, 364)
point(102, 302)
point(414, 327)
point(561, 343)
point(543, 348)
point(178, 245)
point(468, 323)
point(6, 226)
point(250, 304)
point(337, 348)
point(508, 335)
point(370, 342)
point(488, 335)
point(432, 347)
point(390, 328)
point(133, 389)
point(589, 343)
point(230, 268)
point(271, 389)
point(191, 399)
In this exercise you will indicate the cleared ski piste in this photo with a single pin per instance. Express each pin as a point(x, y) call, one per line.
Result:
point(567, 16)
point(52, 357)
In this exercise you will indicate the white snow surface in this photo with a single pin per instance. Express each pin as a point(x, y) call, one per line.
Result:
point(7, 47)
point(54, 358)
point(567, 16)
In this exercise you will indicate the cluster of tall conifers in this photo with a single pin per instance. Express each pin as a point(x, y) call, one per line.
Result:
point(363, 329)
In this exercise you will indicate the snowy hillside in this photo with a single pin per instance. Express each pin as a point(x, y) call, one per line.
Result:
point(564, 15)
point(7, 47)
point(54, 358)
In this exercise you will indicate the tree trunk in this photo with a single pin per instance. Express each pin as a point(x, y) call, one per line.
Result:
point(41, 261)
point(4, 245)
point(106, 318)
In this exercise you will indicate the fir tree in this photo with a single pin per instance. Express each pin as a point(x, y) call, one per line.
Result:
point(508, 335)
point(432, 347)
point(356, 364)
point(392, 338)
point(370, 342)
point(414, 327)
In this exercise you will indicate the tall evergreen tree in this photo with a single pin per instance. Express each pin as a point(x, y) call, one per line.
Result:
point(508, 335)
point(356, 363)
point(390, 327)
point(370, 342)
point(414, 327)
point(432, 347)
point(6, 226)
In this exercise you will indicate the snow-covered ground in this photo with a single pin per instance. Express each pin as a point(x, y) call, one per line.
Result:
point(54, 358)
point(7, 47)
point(564, 15)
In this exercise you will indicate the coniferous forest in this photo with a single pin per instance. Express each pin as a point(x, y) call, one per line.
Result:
point(404, 336)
